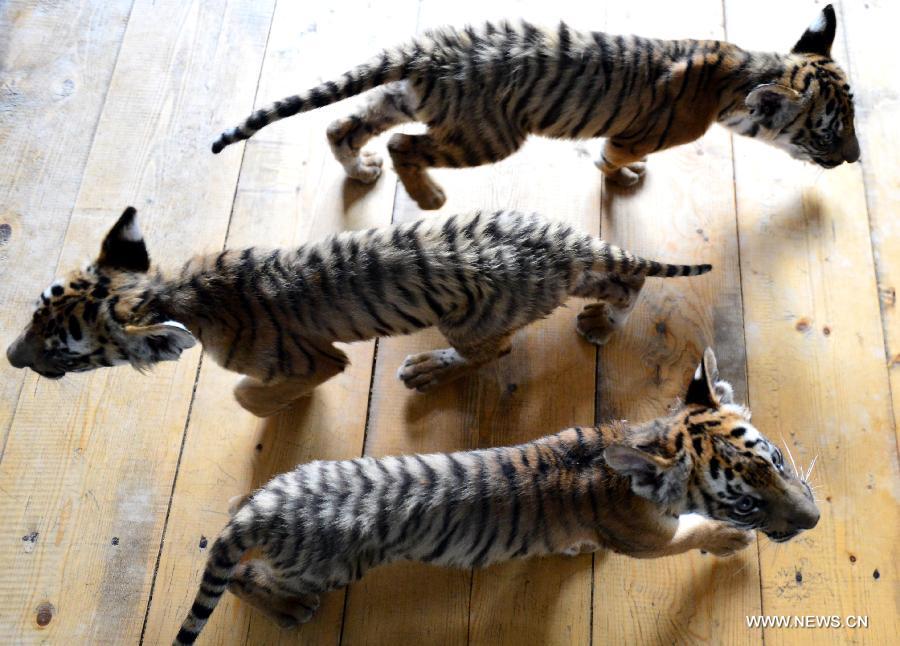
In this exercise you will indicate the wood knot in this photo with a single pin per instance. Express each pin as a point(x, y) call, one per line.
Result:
point(582, 151)
point(44, 614)
point(803, 325)
point(30, 539)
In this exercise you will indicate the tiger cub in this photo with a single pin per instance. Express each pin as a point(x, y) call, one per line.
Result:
point(701, 478)
point(274, 314)
point(483, 91)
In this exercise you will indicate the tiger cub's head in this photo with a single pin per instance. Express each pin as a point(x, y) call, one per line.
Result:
point(808, 110)
point(708, 458)
point(97, 316)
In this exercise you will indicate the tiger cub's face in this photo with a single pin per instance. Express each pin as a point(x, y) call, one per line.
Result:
point(743, 478)
point(90, 318)
point(809, 112)
point(711, 460)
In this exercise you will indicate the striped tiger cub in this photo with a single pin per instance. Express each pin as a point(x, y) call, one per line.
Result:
point(481, 92)
point(274, 314)
point(699, 479)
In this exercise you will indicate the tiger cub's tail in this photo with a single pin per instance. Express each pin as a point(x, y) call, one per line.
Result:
point(391, 65)
point(223, 559)
point(612, 259)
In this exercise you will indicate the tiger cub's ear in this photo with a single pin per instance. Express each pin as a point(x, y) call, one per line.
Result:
point(819, 36)
point(160, 342)
point(658, 479)
point(123, 247)
point(702, 389)
point(774, 106)
point(706, 388)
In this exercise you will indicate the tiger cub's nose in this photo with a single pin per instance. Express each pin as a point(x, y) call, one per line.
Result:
point(17, 353)
point(850, 150)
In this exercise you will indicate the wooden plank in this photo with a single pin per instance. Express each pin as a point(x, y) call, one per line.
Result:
point(816, 367)
point(550, 383)
point(684, 212)
point(73, 476)
point(544, 385)
point(56, 68)
point(877, 100)
point(291, 190)
point(90, 461)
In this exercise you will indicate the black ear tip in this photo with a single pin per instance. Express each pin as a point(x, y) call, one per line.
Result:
point(128, 215)
point(123, 247)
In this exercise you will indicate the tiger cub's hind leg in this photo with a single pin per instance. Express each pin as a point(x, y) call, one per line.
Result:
point(619, 166)
point(256, 583)
point(441, 148)
point(387, 107)
point(265, 398)
point(617, 296)
point(429, 369)
point(411, 155)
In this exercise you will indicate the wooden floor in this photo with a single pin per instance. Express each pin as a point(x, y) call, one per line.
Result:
point(112, 482)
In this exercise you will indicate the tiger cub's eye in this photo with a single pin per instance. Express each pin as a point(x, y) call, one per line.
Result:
point(745, 504)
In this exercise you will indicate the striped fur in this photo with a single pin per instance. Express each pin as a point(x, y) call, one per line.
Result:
point(483, 91)
point(674, 484)
point(274, 314)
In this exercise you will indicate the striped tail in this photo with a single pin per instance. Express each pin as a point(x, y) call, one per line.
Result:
point(392, 65)
point(223, 559)
point(612, 259)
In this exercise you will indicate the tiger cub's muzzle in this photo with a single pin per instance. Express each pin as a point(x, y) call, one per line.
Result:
point(22, 354)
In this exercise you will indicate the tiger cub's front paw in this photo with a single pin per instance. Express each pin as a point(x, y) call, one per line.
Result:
point(626, 176)
point(428, 195)
point(367, 167)
point(428, 369)
point(724, 540)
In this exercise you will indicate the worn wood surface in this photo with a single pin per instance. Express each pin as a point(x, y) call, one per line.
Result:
point(89, 462)
point(290, 191)
point(118, 482)
point(816, 370)
point(55, 70)
point(868, 42)
point(685, 210)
